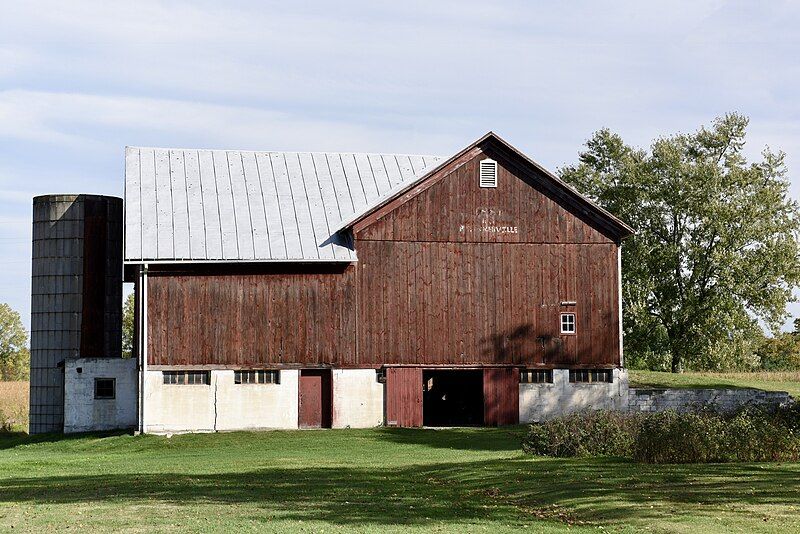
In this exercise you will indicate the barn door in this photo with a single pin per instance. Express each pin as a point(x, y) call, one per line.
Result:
point(501, 396)
point(314, 398)
point(404, 396)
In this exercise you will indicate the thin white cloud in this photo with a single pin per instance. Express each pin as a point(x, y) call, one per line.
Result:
point(82, 120)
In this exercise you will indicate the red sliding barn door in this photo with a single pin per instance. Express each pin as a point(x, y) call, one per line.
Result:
point(404, 396)
point(501, 396)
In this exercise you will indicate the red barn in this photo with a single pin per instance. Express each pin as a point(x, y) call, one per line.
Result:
point(285, 290)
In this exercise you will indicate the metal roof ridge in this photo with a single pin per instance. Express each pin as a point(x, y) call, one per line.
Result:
point(325, 152)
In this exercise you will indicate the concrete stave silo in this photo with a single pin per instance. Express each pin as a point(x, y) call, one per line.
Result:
point(76, 294)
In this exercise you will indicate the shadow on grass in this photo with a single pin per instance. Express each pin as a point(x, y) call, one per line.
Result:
point(509, 490)
point(9, 440)
point(468, 439)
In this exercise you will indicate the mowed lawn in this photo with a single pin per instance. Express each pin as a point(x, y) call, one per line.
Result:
point(465, 480)
point(771, 381)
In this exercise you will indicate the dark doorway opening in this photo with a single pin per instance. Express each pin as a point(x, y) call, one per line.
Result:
point(315, 402)
point(452, 398)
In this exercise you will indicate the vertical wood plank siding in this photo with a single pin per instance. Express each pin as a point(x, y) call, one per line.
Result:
point(454, 209)
point(404, 396)
point(235, 318)
point(484, 303)
point(500, 396)
point(456, 274)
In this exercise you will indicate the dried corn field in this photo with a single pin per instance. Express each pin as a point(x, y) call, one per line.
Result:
point(14, 406)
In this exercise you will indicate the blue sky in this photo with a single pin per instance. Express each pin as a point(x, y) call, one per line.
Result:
point(79, 80)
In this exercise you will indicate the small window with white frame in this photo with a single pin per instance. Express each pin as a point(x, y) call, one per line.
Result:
point(187, 378)
point(536, 376)
point(568, 323)
point(257, 376)
point(591, 376)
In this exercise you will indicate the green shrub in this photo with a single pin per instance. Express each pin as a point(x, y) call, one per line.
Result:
point(671, 437)
point(750, 435)
point(591, 433)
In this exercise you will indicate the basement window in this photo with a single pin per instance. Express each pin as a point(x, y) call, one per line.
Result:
point(591, 376)
point(105, 388)
point(190, 378)
point(488, 173)
point(257, 376)
point(567, 323)
point(536, 376)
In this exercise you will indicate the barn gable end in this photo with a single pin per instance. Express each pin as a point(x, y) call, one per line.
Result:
point(452, 273)
point(528, 205)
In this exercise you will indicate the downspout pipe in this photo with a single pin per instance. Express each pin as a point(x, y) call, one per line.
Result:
point(142, 304)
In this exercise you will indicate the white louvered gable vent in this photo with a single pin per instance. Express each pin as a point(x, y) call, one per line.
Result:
point(488, 176)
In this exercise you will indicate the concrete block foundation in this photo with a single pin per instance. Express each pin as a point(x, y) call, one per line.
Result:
point(538, 402)
point(720, 400)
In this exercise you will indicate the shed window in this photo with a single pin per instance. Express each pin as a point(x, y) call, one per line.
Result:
point(488, 173)
point(536, 376)
point(105, 388)
point(257, 376)
point(567, 323)
point(591, 376)
point(192, 378)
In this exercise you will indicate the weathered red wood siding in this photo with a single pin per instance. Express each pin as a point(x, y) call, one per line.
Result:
point(468, 303)
point(210, 317)
point(466, 275)
point(404, 396)
point(453, 208)
point(500, 396)
point(448, 274)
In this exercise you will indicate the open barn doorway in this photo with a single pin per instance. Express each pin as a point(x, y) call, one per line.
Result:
point(452, 397)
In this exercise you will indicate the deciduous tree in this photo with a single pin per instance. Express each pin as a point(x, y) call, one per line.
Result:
point(14, 354)
point(716, 247)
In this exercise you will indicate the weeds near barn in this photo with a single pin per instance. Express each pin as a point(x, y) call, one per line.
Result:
point(14, 406)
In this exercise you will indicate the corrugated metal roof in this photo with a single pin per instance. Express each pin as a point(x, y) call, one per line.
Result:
point(226, 205)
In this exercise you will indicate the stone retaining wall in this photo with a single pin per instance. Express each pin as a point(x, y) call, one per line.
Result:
point(721, 400)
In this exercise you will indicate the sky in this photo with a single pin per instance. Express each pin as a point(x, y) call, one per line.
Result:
point(80, 80)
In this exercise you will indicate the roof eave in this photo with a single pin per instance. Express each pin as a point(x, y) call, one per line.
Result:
point(215, 261)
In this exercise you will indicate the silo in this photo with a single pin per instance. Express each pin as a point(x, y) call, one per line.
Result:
point(76, 301)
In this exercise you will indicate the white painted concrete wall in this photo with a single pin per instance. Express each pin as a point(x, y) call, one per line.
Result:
point(84, 413)
point(357, 398)
point(254, 406)
point(222, 405)
point(542, 401)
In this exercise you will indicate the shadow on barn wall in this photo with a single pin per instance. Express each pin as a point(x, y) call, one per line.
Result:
point(523, 345)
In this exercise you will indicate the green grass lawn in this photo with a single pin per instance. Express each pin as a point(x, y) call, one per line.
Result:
point(464, 480)
point(773, 381)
